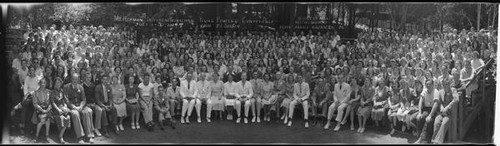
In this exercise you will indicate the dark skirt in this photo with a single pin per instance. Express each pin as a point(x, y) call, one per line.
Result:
point(355, 105)
point(364, 111)
point(133, 107)
point(39, 117)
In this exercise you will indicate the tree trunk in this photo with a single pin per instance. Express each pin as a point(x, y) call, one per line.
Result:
point(338, 14)
point(478, 17)
point(341, 14)
point(495, 13)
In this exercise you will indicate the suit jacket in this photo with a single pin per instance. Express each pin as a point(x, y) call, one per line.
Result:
point(99, 95)
point(236, 77)
point(188, 91)
point(95, 78)
point(342, 94)
point(173, 94)
point(301, 90)
point(89, 92)
point(75, 94)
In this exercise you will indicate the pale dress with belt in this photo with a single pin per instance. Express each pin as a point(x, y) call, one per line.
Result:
point(118, 92)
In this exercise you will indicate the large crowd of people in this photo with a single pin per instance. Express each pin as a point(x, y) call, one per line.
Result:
point(92, 78)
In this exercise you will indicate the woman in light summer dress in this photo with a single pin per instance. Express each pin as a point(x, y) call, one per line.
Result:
point(119, 96)
point(216, 90)
point(268, 98)
point(288, 95)
point(41, 102)
point(60, 110)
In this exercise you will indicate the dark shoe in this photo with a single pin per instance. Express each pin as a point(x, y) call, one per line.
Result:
point(161, 128)
point(36, 140)
point(21, 130)
point(150, 127)
point(170, 124)
point(313, 122)
point(105, 134)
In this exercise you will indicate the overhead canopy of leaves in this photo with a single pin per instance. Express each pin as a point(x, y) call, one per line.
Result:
point(455, 15)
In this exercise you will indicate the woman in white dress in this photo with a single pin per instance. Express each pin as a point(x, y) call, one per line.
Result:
point(119, 96)
point(216, 97)
point(268, 98)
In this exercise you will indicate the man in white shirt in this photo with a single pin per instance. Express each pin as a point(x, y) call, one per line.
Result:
point(301, 93)
point(342, 93)
point(230, 94)
point(245, 93)
point(188, 94)
point(429, 104)
point(29, 87)
point(203, 89)
point(22, 71)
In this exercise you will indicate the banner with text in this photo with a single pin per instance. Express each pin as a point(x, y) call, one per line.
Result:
point(220, 23)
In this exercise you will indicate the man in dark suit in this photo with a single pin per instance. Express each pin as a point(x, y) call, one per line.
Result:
point(89, 89)
point(80, 113)
point(95, 75)
point(230, 71)
point(104, 101)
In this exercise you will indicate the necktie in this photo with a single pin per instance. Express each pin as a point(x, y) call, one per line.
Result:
point(188, 85)
point(300, 87)
point(105, 93)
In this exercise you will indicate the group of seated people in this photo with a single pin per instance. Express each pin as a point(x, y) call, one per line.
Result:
point(92, 78)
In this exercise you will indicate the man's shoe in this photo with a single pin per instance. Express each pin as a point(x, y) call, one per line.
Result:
point(91, 140)
point(337, 128)
point(97, 133)
point(327, 126)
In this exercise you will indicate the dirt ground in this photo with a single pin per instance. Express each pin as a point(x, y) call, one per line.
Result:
point(223, 131)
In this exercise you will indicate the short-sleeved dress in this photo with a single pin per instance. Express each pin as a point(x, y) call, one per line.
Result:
point(42, 99)
point(355, 104)
point(131, 92)
point(366, 96)
point(289, 95)
point(62, 118)
point(216, 90)
point(395, 100)
point(380, 96)
point(121, 108)
point(267, 93)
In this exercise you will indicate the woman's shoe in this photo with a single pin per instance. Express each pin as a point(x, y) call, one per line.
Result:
point(62, 140)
